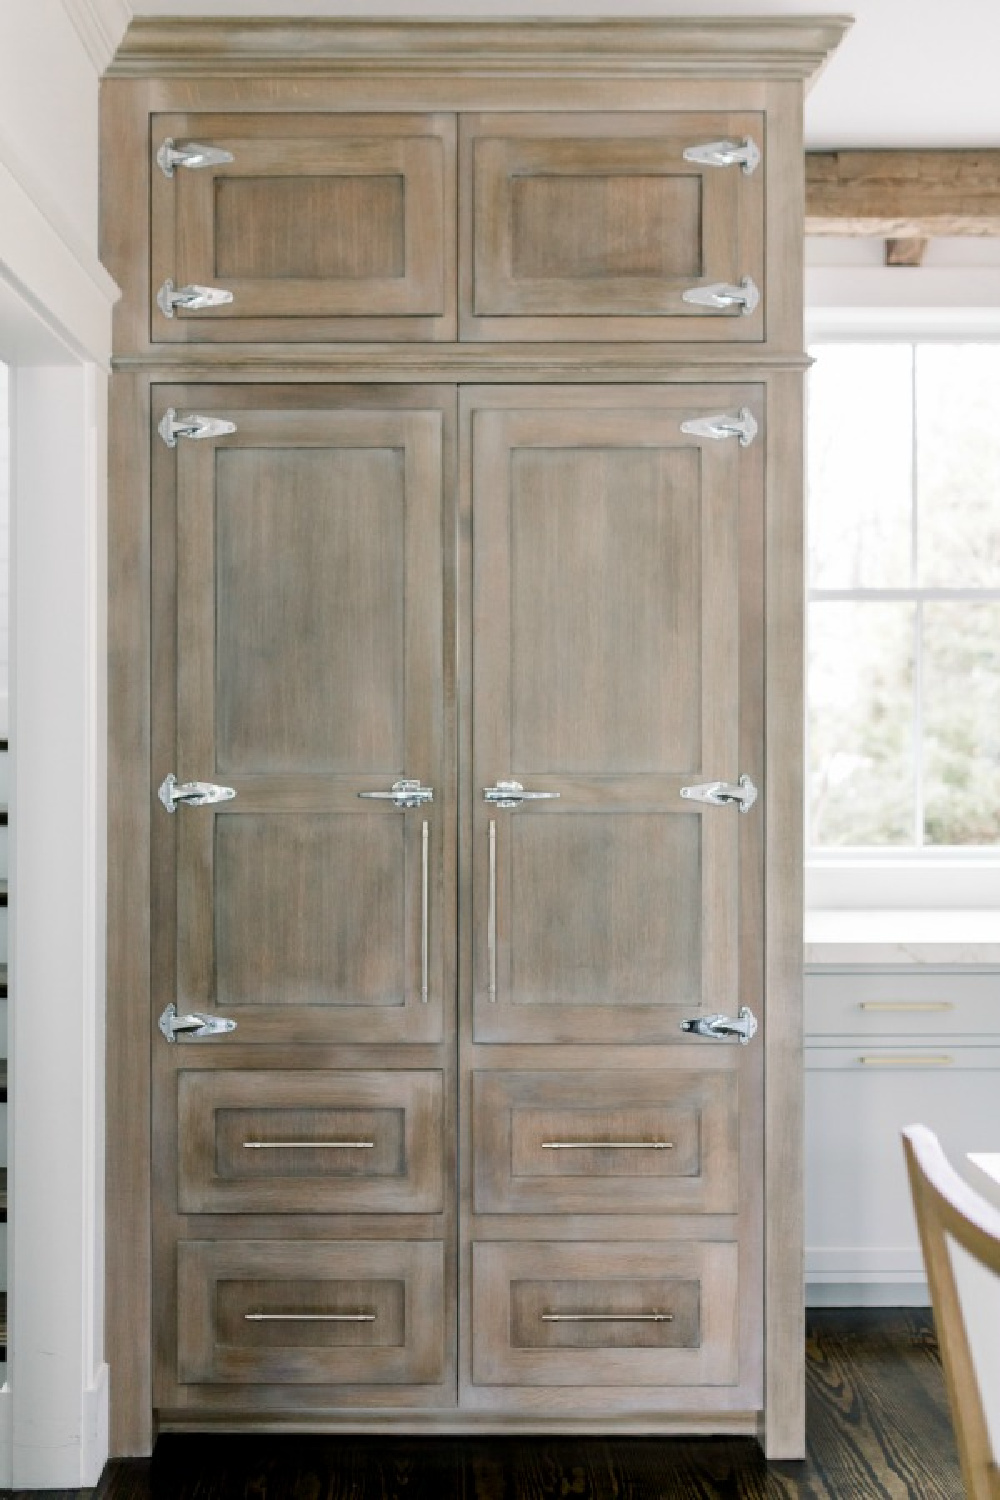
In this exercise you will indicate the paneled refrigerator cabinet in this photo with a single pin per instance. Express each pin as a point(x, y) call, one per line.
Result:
point(455, 951)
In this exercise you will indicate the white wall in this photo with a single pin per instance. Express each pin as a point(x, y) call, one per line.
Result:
point(4, 552)
point(55, 329)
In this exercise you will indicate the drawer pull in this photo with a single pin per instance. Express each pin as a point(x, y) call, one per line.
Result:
point(607, 1145)
point(906, 1062)
point(921, 1006)
point(364, 1317)
point(308, 1145)
point(653, 1317)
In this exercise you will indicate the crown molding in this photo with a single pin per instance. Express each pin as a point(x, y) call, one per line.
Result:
point(716, 47)
point(100, 25)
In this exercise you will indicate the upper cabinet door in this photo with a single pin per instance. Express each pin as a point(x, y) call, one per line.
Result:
point(311, 227)
point(597, 226)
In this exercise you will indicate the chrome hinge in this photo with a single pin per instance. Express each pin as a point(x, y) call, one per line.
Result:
point(512, 794)
point(742, 426)
point(744, 153)
point(173, 427)
point(721, 294)
point(192, 154)
point(403, 793)
point(719, 1027)
point(190, 297)
point(196, 1024)
point(723, 793)
point(194, 793)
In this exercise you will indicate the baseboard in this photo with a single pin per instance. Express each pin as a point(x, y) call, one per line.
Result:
point(96, 1446)
point(867, 1294)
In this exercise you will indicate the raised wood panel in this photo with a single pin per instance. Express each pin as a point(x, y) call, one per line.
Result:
point(671, 1141)
point(311, 228)
point(323, 226)
point(590, 226)
point(398, 1286)
point(310, 608)
point(515, 1284)
point(311, 1142)
point(607, 571)
point(310, 910)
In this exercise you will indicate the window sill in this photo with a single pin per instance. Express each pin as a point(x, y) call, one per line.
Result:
point(900, 938)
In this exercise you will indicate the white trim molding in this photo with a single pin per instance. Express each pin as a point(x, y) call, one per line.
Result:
point(100, 25)
point(44, 261)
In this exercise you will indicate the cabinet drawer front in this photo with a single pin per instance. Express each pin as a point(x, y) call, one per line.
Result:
point(902, 1005)
point(606, 1142)
point(321, 226)
point(604, 1314)
point(349, 1312)
point(595, 225)
point(310, 1142)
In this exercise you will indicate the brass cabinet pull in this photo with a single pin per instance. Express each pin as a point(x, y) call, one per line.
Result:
point(607, 1145)
point(491, 915)
point(653, 1317)
point(424, 928)
point(308, 1145)
point(364, 1317)
point(916, 1061)
point(921, 1006)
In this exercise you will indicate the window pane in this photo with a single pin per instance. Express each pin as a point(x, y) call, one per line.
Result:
point(860, 466)
point(861, 776)
point(961, 691)
point(958, 464)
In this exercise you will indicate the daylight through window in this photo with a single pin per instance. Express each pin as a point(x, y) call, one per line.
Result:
point(904, 596)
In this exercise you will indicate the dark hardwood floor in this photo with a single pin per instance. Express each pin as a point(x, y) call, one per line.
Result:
point(878, 1429)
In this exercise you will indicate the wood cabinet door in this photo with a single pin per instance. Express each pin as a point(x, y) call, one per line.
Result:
point(299, 662)
point(594, 226)
point(321, 226)
point(617, 604)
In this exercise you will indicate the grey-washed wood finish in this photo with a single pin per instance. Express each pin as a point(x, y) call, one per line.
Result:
point(638, 226)
point(287, 92)
point(402, 1284)
point(323, 227)
point(607, 619)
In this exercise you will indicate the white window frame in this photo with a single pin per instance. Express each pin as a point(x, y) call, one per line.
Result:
point(937, 878)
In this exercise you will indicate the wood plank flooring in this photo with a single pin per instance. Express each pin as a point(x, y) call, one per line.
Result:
point(878, 1429)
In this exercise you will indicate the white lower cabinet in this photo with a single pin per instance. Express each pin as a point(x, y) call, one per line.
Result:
point(885, 1049)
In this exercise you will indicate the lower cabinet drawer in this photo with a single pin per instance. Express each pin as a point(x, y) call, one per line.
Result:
point(316, 1312)
point(606, 1142)
point(263, 1141)
point(570, 1314)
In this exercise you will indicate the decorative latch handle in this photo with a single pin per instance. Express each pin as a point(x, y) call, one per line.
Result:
point(723, 793)
point(720, 1027)
point(512, 794)
point(722, 294)
point(403, 793)
point(744, 153)
point(192, 154)
point(194, 1025)
point(742, 426)
point(191, 298)
point(173, 427)
point(194, 793)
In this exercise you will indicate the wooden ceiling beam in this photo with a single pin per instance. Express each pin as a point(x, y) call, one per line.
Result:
point(903, 195)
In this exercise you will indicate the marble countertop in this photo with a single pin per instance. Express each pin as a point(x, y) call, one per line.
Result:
point(903, 937)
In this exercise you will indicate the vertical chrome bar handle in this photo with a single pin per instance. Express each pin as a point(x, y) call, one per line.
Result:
point(491, 915)
point(425, 835)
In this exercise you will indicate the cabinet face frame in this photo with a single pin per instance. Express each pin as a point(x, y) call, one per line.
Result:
point(218, 66)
